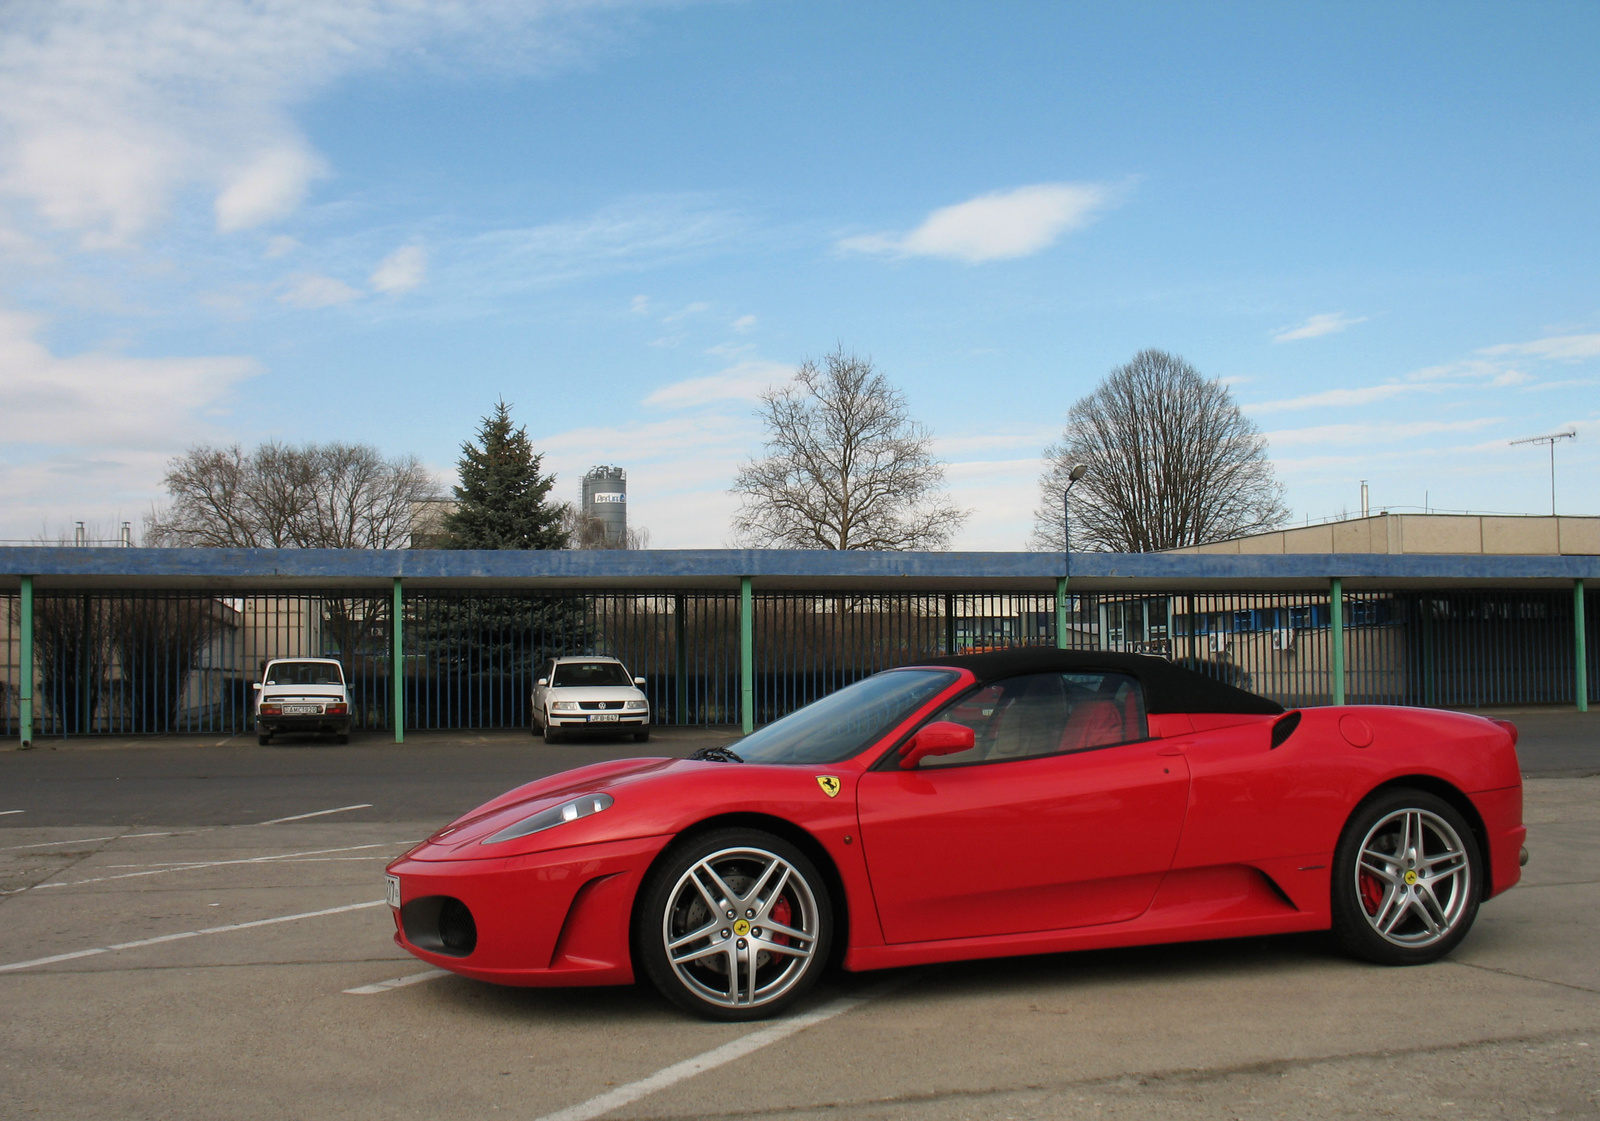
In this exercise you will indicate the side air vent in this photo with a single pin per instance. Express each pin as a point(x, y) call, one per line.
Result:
point(440, 924)
point(1284, 727)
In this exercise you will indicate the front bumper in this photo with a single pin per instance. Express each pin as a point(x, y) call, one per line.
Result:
point(303, 723)
point(551, 918)
point(633, 720)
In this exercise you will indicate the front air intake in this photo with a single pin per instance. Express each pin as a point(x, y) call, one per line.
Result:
point(440, 924)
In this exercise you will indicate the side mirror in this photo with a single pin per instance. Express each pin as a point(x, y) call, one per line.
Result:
point(942, 737)
point(638, 681)
point(256, 685)
point(544, 681)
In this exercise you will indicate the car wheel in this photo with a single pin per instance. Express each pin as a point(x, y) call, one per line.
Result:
point(263, 738)
point(734, 925)
point(641, 736)
point(342, 737)
point(1407, 878)
point(550, 733)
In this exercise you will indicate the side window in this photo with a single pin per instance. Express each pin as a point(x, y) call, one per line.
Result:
point(1046, 714)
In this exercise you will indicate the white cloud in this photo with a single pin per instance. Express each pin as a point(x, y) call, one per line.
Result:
point(1559, 348)
point(272, 186)
point(402, 270)
point(640, 305)
point(100, 400)
point(312, 290)
point(745, 324)
point(1345, 435)
point(109, 111)
point(696, 308)
point(996, 226)
point(745, 381)
point(1334, 398)
point(281, 246)
point(1328, 323)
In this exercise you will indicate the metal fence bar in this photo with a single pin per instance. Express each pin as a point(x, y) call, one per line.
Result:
point(1580, 656)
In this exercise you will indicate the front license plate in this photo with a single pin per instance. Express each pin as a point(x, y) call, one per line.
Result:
point(301, 710)
point(391, 890)
point(603, 717)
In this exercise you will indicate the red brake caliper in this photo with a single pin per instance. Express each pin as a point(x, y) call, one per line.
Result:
point(781, 913)
point(1371, 893)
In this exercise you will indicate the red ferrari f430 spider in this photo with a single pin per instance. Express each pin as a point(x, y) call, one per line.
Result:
point(1016, 802)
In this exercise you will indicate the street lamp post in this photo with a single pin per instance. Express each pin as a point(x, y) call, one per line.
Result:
point(1073, 476)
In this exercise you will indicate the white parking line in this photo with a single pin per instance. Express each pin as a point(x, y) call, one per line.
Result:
point(212, 864)
point(88, 840)
point(318, 813)
point(604, 1103)
point(4, 813)
point(397, 982)
point(53, 958)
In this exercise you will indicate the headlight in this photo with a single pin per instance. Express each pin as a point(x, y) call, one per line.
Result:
point(636, 706)
point(564, 706)
point(555, 815)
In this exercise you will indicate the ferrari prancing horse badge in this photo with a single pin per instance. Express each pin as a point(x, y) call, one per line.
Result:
point(829, 784)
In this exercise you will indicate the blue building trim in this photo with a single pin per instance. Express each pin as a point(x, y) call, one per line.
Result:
point(667, 569)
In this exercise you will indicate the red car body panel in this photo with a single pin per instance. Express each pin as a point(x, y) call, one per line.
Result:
point(1203, 830)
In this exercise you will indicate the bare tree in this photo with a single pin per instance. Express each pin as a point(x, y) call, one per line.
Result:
point(315, 496)
point(587, 532)
point(845, 467)
point(1172, 462)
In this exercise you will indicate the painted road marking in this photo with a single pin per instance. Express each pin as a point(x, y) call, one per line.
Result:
point(718, 1056)
point(318, 813)
point(88, 840)
point(397, 983)
point(212, 864)
point(53, 958)
point(4, 813)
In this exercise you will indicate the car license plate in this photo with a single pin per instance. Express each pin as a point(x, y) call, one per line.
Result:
point(391, 890)
point(301, 710)
point(603, 717)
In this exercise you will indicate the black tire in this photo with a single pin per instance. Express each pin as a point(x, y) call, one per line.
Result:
point(642, 736)
point(263, 738)
point(784, 966)
point(1405, 904)
point(550, 734)
point(342, 737)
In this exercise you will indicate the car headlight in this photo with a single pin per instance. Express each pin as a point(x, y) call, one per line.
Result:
point(564, 706)
point(550, 818)
point(636, 706)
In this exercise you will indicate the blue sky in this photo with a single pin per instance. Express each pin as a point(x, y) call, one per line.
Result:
point(229, 222)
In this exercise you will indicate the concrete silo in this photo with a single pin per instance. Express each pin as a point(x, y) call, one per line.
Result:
point(605, 503)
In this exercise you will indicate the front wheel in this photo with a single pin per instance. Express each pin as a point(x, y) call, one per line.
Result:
point(1407, 878)
point(550, 733)
point(734, 925)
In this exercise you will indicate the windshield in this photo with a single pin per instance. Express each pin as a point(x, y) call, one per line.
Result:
point(570, 674)
point(304, 673)
point(842, 723)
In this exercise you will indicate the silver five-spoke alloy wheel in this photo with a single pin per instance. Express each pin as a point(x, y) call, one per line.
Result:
point(1413, 878)
point(1407, 878)
point(741, 927)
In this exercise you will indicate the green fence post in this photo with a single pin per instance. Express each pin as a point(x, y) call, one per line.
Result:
point(1336, 637)
point(25, 693)
point(1061, 612)
point(747, 657)
point(397, 663)
point(1580, 648)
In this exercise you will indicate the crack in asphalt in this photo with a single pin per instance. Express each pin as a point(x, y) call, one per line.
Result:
point(1524, 976)
point(1178, 1076)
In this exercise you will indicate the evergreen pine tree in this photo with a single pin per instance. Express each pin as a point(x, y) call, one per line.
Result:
point(503, 501)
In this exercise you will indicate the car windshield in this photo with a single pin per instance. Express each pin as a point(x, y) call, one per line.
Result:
point(570, 674)
point(304, 673)
point(843, 723)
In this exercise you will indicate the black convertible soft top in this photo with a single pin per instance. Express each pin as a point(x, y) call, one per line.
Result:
point(1167, 687)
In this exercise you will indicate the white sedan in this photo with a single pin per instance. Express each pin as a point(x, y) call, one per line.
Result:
point(590, 694)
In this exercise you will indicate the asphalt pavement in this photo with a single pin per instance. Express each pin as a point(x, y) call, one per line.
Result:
point(195, 930)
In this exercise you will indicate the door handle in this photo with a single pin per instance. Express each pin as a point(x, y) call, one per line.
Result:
point(1168, 751)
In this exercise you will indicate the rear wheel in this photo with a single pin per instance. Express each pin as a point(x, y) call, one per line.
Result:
point(1407, 878)
point(342, 737)
point(734, 925)
point(263, 738)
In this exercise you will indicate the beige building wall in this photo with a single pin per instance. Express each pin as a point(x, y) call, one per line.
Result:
point(1426, 533)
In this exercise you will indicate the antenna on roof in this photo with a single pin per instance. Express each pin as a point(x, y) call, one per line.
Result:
point(1569, 434)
